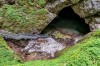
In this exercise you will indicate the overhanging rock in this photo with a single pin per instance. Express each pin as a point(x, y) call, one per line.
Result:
point(57, 5)
point(87, 8)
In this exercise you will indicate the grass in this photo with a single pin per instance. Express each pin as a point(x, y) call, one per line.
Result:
point(85, 53)
point(22, 18)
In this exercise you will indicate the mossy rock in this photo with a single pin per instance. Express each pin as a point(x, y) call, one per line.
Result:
point(84, 53)
point(59, 35)
point(23, 18)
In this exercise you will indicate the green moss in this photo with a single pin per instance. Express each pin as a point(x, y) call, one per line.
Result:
point(2, 43)
point(6, 54)
point(37, 3)
point(60, 35)
point(85, 53)
point(22, 18)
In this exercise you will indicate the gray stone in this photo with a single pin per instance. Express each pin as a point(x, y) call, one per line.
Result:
point(93, 19)
point(94, 27)
point(47, 45)
point(87, 8)
point(57, 5)
point(50, 17)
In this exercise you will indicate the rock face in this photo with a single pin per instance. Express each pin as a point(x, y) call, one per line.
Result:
point(57, 5)
point(87, 8)
point(47, 45)
point(92, 19)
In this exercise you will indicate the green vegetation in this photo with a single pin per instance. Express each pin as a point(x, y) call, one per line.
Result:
point(23, 17)
point(85, 53)
point(28, 14)
point(58, 35)
point(38, 3)
point(6, 54)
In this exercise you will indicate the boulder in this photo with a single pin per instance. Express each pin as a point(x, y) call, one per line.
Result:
point(87, 8)
point(94, 27)
point(92, 19)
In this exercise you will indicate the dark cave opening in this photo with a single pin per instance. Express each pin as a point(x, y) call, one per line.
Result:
point(67, 18)
point(66, 22)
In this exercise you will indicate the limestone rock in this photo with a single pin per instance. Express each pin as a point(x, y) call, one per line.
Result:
point(92, 19)
point(94, 27)
point(94, 22)
point(57, 5)
point(47, 45)
point(87, 8)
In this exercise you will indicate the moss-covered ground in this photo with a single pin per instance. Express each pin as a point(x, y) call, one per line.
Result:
point(24, 16)
point(84, 53)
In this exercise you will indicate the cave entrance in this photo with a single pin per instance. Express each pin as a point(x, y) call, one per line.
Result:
point(67, 28)
point(67, 25)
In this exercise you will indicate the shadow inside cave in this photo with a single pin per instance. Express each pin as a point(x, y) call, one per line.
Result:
point(67, 27)
point(67, 19)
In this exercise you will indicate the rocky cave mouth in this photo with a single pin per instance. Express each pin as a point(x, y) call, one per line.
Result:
point(67, 27)
point(65, 30)
point(69, 17)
